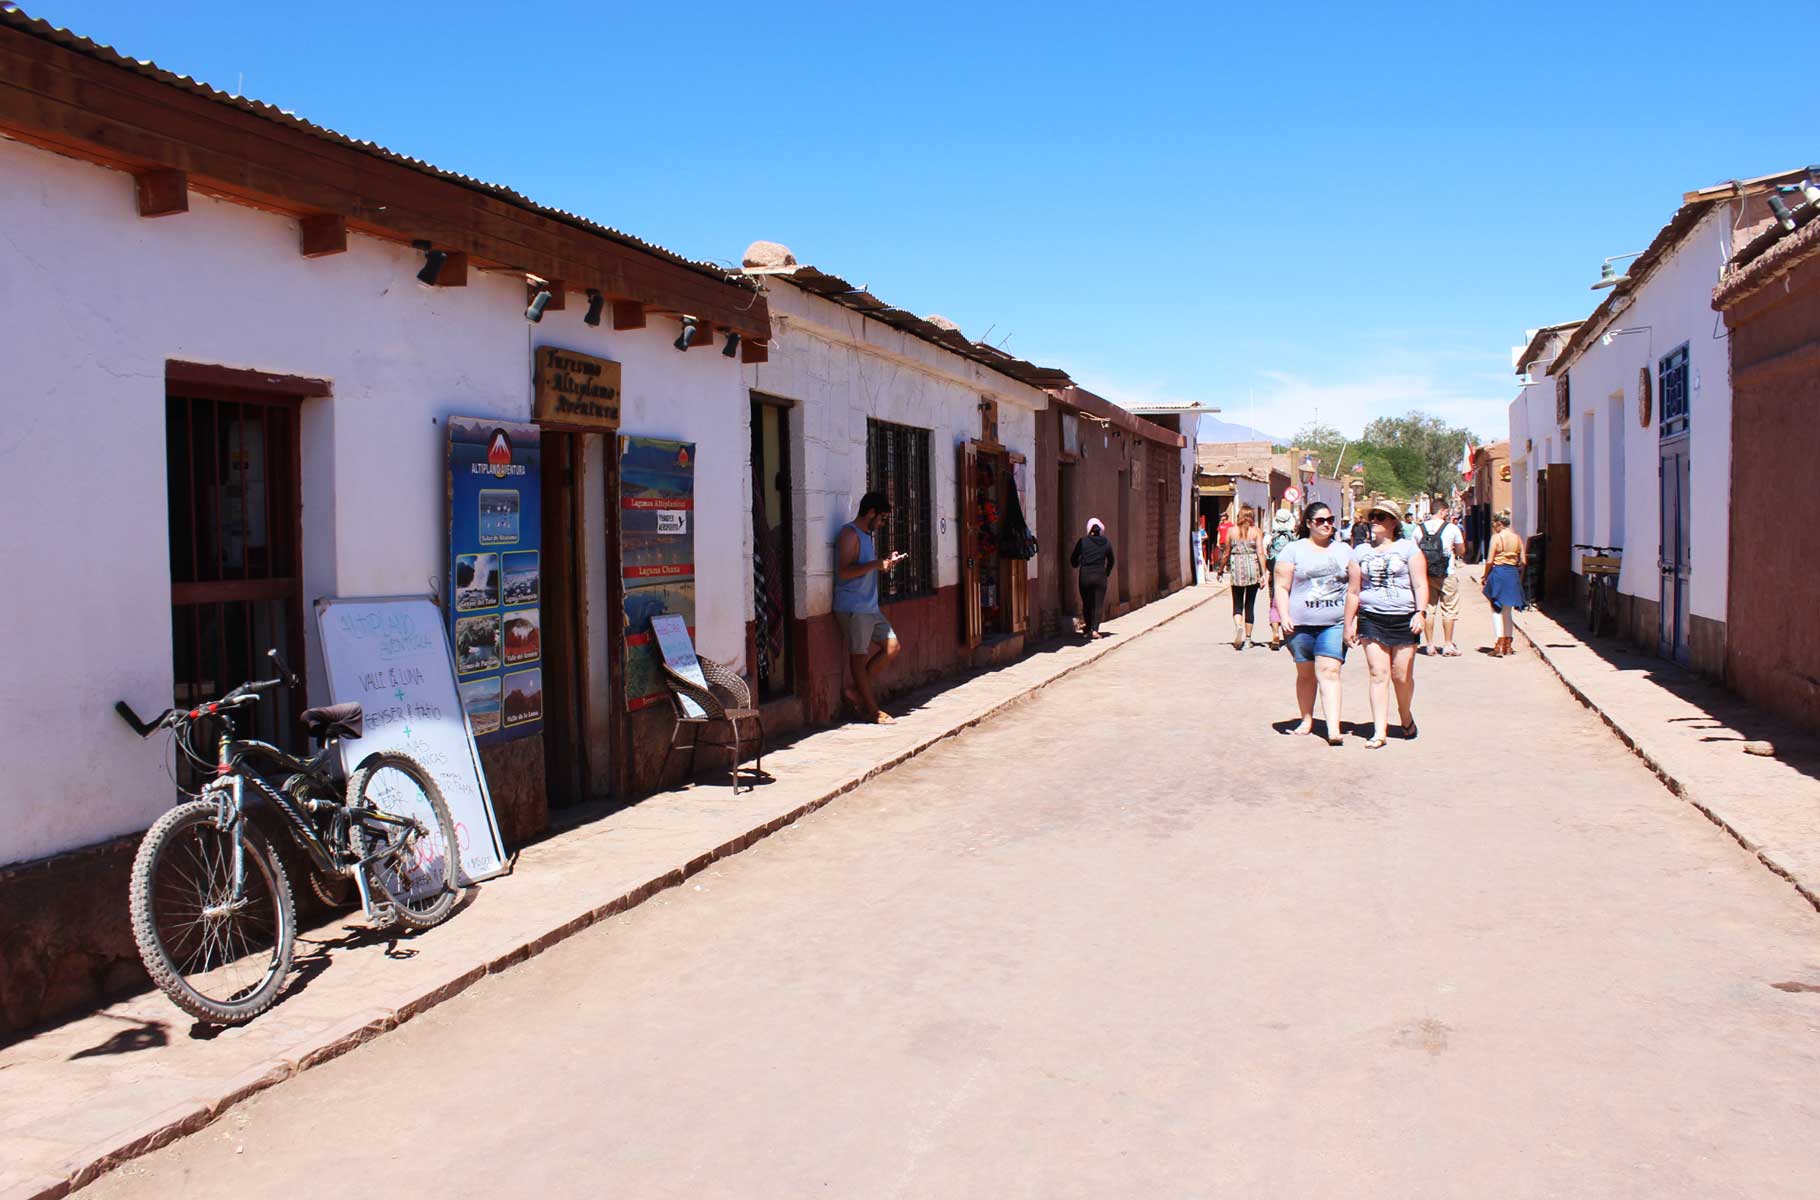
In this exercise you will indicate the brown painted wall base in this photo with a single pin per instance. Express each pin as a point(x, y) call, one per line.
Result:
point(64, 935)
point(1706, 642)
point(515, 779)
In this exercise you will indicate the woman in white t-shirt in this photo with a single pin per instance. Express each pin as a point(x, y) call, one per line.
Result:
point(1385, 599)
point(1311, 581)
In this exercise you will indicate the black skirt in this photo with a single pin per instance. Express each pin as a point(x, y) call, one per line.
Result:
point(1387, 629)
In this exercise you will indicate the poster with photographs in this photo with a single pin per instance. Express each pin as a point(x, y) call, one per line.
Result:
point(657, 552)
point(495, 580)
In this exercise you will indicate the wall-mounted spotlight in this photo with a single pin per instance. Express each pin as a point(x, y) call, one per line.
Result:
point(1609, 277)
point(732, 346)
point(539, 302)
point(686, 338)
point(1779, 209)
point(432, 263)
point(595, 302)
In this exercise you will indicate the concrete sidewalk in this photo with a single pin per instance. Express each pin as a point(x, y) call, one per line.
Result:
point(77, 1099)
point(1691, 733)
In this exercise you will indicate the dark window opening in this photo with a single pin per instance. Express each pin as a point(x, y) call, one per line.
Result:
point(897, 464)
point(1672, 371)
point(236, 583)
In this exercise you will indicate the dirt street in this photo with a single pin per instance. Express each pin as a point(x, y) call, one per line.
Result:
point(1130, 939)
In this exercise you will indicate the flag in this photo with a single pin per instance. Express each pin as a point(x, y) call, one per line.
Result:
point(1466, 462)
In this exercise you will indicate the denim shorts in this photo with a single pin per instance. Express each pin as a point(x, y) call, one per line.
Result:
point(1309, 642)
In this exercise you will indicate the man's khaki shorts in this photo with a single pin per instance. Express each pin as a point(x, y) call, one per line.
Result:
point(864, 630)
point(1445, 595)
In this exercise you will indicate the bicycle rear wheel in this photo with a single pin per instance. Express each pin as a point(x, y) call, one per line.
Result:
point(219, 956)
point(415, 867)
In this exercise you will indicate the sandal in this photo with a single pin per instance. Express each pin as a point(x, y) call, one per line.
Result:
point(1304, 728)
point(1376, 743)
point(1409, 731)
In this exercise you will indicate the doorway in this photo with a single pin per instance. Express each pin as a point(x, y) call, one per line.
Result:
point(1164, 528)
point(1675, 557)
point(568, 779)
point(235, 511)
point(1070, 522)
point(773, 551)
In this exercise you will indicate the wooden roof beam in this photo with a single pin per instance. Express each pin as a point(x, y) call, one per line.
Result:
point(161, 192)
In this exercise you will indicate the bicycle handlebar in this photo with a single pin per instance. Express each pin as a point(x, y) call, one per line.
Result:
point(144, 729)
point(244, 694)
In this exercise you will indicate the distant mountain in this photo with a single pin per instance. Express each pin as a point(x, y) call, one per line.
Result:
point(1215, 430)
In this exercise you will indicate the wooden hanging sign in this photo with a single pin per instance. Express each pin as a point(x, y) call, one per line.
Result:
point(576, 391)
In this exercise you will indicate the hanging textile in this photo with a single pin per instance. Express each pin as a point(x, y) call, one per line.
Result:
point(768, 576)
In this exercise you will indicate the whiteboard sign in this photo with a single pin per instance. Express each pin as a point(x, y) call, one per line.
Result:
point(391, 654)
point(672, 634)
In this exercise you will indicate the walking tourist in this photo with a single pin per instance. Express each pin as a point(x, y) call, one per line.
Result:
point(871, 642)
point(1360, 534)
point(1094, 559)
point(1386, 593)
point(1200, 550)
point(1311, 581)
point(1245, 564)
point(1282, 533)
point(1503, 581)
point(1442, 544)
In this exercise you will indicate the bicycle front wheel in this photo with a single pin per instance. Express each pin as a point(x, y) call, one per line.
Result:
point(401, 821)
point(220, 948)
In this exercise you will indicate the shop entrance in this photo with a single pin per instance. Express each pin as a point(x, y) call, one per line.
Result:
point(576, 694)
point(773, 551)
point(232, 470)
point(994, 588)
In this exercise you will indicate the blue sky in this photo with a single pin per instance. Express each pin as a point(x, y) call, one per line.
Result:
point(1344, 210)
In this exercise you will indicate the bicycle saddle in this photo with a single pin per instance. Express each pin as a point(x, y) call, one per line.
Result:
point(334, 720)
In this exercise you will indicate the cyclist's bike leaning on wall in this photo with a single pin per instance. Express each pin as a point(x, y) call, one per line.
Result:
point(211, 902)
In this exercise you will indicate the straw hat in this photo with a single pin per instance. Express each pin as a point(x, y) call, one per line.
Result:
point(1384, 506)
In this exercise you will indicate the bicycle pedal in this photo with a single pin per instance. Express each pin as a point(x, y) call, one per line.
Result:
point(384, 916)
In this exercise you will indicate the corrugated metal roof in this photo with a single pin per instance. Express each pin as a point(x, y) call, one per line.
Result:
point(16, 19)
point(839, 291)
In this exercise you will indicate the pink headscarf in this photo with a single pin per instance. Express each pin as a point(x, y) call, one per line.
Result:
point(1095, 523)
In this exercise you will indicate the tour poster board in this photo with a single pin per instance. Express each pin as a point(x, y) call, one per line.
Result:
point(496, 574)
point(656, 551)
point(391, 654)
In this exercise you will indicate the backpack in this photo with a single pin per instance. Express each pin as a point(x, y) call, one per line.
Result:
point(1434, 549)
point(1279, 543)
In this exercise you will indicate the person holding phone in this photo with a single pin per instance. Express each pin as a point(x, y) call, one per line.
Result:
point(871, 642)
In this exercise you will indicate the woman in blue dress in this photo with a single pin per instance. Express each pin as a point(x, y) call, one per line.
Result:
point(1503, 585)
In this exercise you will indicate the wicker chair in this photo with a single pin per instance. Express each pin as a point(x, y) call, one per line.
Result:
point(726, 700)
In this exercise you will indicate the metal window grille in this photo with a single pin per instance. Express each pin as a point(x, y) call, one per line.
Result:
point(236, 586)
point(1672, 370)
point(897, 464)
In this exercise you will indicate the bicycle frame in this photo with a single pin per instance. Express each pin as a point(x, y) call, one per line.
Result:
point(234, 767)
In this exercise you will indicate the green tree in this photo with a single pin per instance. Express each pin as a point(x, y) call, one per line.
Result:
point(1430, 448)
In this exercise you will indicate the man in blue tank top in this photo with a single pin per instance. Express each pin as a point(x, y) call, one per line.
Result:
point(870, 640)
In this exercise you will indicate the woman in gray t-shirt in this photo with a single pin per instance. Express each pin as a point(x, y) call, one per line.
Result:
point(1311, 581)
point(1385, 599)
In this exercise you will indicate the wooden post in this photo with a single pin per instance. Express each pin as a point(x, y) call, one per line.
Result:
point(321, 235)
point(161, 193)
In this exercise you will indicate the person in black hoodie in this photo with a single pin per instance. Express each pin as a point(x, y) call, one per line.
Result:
point(1093, 555)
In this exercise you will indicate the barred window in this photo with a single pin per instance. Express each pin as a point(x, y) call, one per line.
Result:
point(1673, 370)
point(897, 464)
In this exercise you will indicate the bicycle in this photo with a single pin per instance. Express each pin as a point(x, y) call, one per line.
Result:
point(212, 910)
point(1600, 566)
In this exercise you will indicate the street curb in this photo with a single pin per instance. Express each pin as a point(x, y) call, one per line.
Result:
point(1673, 783)
point(378, 1020)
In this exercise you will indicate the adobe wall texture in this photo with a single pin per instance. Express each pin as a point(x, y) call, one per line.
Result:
point(1772, 643)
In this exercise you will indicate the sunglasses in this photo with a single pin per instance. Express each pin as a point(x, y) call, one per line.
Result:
point(1320, 520)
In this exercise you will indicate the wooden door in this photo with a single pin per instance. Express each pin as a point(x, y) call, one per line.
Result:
point(1558, 577)
point(1017, 570)
point(966, 529)
point(565, 739)
point(1674, 559)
